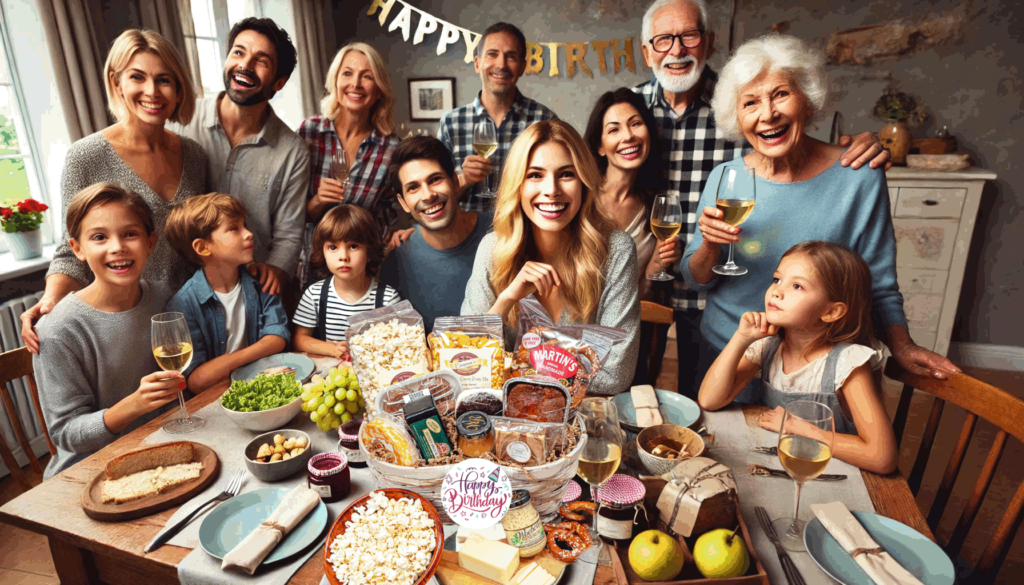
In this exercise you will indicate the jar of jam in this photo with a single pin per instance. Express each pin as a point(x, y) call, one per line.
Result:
point(329, 476)
point(572, 493)
point(476, 434)
point(522, 525)
point(622, 514)
point(348, 442)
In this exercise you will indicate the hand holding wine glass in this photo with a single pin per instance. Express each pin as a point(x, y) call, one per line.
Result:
point(339, 167)
point(603, 451)
point(172, 348)
point(485, 142)
point(736, 200)
point(666, 221)
point(805, 448)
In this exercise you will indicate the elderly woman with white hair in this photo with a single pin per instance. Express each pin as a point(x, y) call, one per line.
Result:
point(772, 90)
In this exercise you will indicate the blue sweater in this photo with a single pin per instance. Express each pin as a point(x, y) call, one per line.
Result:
point(842, 205)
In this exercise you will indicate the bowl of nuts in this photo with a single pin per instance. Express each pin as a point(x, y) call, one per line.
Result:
point(277, 455)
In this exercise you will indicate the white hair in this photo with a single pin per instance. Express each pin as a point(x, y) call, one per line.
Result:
point(804, 65)
point(647, 29)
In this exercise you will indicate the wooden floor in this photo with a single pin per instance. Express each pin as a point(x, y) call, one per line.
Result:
point(25, 556)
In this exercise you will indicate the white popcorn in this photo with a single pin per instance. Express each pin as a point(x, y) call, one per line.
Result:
point(384, 347)
point(386, 542)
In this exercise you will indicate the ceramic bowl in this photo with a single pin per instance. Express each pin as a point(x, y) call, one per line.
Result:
point(281, 469)
point(264, 420)
point(660, 465)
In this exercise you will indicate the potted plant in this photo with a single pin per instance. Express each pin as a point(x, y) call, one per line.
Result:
point(21, 223)
point(896, 108)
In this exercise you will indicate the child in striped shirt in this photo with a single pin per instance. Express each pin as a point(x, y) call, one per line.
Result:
point(347, 240)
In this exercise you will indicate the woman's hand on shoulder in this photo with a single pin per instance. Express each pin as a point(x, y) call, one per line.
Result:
point(864, 148)
point(754, 326)
point(533, 277)
point(715, 231)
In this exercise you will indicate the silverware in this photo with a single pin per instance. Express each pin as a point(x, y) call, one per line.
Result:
point(769, 472)
point(703, 431)
point(773, 451)
point(231, 491)
point(788, 566)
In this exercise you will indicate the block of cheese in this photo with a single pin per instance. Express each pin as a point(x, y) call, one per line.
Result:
point(538, 577)
point(522, 573)
point(495, 532)
point(492, 560)
point(645, 402)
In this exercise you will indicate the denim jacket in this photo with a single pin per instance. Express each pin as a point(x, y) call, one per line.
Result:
point(207, 323)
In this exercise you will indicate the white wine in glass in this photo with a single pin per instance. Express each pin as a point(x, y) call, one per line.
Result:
point(485, 142)
point(172, 348)
point(339, 167)
point(666, 222)
point(602, 452)
point(735, 199)
point(805, 448)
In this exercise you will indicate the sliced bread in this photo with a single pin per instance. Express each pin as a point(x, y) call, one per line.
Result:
point(150, 458)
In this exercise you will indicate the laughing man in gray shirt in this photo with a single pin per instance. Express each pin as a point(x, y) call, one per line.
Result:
point(254, 156)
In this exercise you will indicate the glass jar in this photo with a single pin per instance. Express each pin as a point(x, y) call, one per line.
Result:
point(622, 514)
point(476, 434)
point(348, 443)
point(522, 525)
point(329, 476)
point(572, 493)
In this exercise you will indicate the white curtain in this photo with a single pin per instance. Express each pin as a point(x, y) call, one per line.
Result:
point(313, 60)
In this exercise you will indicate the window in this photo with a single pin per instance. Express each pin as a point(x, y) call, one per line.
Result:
point(212, 20)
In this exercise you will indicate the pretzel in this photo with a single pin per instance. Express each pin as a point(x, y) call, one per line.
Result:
point(570, 511)
point(565, 545)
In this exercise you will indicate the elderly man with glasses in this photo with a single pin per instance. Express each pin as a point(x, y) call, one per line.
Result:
point(677, 41)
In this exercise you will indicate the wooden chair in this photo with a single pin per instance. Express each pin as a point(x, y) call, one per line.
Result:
point(979, 400)
point(659, 315)
point(13, 365)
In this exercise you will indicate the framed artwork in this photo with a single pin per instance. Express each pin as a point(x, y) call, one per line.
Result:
point(430, 98)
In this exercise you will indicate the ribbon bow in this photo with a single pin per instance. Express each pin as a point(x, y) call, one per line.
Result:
point(690, 483)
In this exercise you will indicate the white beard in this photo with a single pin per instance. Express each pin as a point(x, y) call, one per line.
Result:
point(675, 83)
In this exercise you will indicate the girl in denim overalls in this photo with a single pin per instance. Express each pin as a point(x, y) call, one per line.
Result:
point(812, 342)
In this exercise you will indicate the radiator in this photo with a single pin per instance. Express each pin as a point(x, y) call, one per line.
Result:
point(10, 338)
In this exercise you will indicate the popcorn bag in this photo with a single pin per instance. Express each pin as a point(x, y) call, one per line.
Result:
point(388, 345)
point(700, 496)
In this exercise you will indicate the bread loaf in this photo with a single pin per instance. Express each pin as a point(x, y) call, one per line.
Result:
point(157, 456)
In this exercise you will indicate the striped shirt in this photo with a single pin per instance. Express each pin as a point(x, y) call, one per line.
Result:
point(456, 131)
point(338, 310)
point(692, 146)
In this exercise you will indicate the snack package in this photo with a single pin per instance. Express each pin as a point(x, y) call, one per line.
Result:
point(388, 345)
point(388, 438)
point(571, 354)
point(537, 398)
point(443, 385)
point(472, 347)
point(526, 443)
point(488, 402)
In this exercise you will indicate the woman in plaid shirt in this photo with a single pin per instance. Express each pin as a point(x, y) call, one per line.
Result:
point(358, 120)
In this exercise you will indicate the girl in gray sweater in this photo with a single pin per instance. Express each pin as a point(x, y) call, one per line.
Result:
point(96, 371)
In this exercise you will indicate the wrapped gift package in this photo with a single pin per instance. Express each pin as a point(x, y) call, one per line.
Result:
point(700, 495)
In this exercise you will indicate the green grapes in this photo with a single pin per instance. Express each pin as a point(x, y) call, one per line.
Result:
point(333, 399)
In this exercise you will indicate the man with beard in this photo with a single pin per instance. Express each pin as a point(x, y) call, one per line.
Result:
point(432, 268)
point(500, 61)
point(677, 41)
point(254, 156)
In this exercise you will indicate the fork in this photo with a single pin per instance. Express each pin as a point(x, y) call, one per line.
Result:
point(788, 566)
point(229, 492)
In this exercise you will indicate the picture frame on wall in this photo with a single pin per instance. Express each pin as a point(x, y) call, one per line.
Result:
point(430, 98)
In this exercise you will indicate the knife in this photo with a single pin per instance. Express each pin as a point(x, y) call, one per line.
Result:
point(769, 472)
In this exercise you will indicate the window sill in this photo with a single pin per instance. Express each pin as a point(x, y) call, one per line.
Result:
point(11, 268)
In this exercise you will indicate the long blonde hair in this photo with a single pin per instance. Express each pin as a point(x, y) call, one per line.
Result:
point(580, 262)
point(121, 52)
point(382, 115)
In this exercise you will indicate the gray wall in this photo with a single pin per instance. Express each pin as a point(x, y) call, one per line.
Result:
point(972, 85)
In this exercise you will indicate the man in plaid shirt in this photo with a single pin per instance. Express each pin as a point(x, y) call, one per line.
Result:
point(500, 61)
point(677, 40)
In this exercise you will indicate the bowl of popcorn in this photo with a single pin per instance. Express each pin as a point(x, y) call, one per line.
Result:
point(387, 537)
point(278, 455)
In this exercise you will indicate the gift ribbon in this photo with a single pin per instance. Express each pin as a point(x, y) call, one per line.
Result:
point(701, 475)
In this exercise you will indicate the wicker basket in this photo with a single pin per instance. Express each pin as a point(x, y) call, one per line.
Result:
point(546, 483)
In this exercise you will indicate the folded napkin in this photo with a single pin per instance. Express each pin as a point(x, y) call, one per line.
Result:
point(848, 532)
point(248, 554)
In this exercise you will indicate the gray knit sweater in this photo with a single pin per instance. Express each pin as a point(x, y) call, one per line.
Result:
point(618, 307)
point(88, 361)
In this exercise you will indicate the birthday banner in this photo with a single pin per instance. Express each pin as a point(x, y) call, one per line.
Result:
point(427, 24)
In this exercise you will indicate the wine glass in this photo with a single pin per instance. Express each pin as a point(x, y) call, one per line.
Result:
point(172, 348)
point(603, 451)
point(736, 200)
point(485, 142)
point(339, 167)
point(805, 448)
point(666, 221)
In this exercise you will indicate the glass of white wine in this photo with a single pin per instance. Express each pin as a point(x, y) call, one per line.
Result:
point(666, 221)
point(172, 348)
point(339, 167)
point(603, 451)
point(485, 142)
point(805, 448)
point(736, 200)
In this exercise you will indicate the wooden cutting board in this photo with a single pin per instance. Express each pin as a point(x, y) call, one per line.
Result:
point(92, 496)
point(450, 573)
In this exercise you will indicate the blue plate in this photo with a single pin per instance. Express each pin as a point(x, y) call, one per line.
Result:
point(232, 521)
point(915, 551)
point(304, 367)
point(682, 411)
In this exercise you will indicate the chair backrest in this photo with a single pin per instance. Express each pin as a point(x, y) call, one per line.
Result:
point(979, 400)
point(655, 313)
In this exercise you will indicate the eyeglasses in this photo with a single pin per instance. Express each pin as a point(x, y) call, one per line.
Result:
point(690, 40)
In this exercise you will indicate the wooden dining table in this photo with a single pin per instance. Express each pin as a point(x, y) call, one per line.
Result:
point(87, 551)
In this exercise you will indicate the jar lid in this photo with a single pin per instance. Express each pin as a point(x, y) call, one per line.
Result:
point(519, 498)
point(621, 491)
point(327, 464)
point(349, 432)
point(573, 493)
point(473, 424)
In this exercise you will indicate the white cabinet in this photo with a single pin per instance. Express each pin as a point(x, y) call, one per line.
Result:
point(933, 217)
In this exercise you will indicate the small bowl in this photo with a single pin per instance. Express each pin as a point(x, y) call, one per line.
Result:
point(660, 465)
point(281, 469)
point(264, 420)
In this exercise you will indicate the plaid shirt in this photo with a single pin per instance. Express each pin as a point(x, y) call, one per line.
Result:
point(691, 146)
point(456, 131)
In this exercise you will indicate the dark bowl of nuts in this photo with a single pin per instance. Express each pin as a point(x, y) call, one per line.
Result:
point(278, 455)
